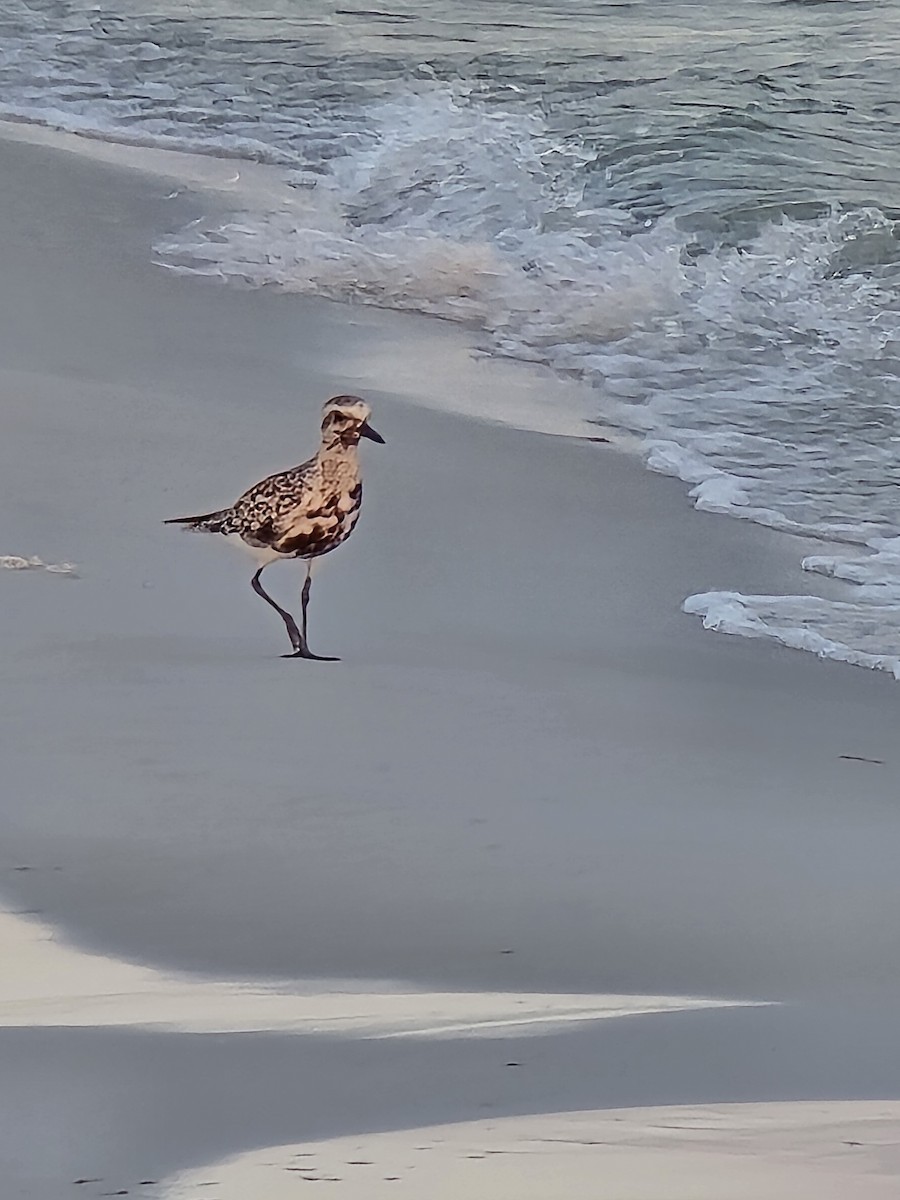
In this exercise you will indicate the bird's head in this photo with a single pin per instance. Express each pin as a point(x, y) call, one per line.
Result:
point(345, 419)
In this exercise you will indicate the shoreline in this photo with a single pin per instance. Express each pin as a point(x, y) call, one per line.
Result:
point(793, 617)
point(217, 182)
point(530, 775)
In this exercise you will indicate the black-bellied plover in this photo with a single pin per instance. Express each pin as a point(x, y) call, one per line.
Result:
point(303, 512)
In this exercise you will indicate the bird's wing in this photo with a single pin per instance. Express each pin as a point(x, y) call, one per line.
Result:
point(264, 510)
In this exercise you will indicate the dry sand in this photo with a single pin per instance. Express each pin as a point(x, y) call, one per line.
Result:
point(54, 985)
point(530, 776)
point(722, 1152)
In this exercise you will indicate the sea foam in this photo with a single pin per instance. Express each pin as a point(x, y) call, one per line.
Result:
point(18, 562)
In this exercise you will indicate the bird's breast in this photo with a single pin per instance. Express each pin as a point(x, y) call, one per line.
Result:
point(322, 523)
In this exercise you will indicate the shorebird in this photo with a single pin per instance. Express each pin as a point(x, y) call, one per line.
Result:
point(300, 513)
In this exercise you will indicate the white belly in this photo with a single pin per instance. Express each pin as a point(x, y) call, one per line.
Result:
point(261, 555)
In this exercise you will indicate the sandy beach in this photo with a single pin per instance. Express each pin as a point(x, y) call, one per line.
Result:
point(594, 863)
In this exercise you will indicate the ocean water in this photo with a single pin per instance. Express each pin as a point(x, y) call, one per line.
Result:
point(695, 207)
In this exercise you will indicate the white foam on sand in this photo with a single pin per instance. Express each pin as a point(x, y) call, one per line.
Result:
point(19, 562)
point(827, 628)
point(46, 983)
point(784, 1151)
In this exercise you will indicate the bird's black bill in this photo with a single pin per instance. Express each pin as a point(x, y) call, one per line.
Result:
point(366, 431)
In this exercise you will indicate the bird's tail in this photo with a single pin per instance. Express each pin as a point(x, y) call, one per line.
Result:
point(213, 522)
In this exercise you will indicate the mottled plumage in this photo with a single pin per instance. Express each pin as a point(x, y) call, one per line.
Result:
point(303, 512)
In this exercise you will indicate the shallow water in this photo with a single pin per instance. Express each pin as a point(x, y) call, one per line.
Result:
point(693, 207)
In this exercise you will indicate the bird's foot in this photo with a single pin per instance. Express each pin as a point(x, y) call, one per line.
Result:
point(303, 651)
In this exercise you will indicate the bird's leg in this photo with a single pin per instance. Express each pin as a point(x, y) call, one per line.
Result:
point(303, 650)
point(304, 598)
point(289, 623)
